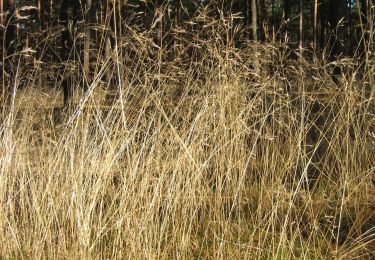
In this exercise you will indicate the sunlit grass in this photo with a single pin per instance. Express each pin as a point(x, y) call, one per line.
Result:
point(208, 159)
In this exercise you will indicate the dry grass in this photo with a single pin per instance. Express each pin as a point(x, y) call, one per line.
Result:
point(196, 159)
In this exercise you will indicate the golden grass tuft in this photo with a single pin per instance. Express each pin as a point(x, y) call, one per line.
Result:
point(196, 159)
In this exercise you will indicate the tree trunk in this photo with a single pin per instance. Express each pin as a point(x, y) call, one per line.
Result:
point(11, 29)
point(159, 20)
point(41, 11)
point(286, 13)
point(264, 21)
point(254, 20)
point(109, 37)
point(179, 13)
point(315, 23)
point(50, 8)
point(1, 12)
point(86, 49)
point(255, 35)
point(67, 42)
point(364, 11)
point(273, 21)
point(363, 48)
point(301, 27)
point(178, 21)
point(333, 19)
point(349, 31)
point(230, 31)
point(247, 15)
point(322, 24)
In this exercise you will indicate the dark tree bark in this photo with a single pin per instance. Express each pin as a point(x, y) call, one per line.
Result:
point(178, 22)
point(333, 20)
point(41, 4)
point(254, 22)
point(109, 41)
point(69, 10)
point(284, 21)
point(87, 43)
point(1, 12)
point(10, 29)
point(363, 20)
point(247, 15)
point(159, 22)
point(364, 11)
point(286, 10)
point(349, 34)
point(273, 20)
point(364, 39)
point(315, 26)
point(66, 45)
point(254, 25)
point(301, 27)
point(230, 31)
point(322, 25)
point(264, 21)
point(179, 13)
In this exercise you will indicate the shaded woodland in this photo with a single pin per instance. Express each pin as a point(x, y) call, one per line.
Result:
point(77, 36)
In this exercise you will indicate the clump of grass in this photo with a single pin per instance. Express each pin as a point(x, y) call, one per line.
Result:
point(196, 157)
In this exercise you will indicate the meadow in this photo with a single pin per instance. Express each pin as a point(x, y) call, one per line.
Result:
point(248, 152)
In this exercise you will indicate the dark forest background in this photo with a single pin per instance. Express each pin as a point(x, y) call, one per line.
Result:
point(55, 32)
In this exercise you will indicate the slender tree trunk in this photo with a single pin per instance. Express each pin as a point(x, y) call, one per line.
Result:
point(264, 21)
point(3, 52)
point(273, 21)
point(1, 12)
point(363, 46)
point(50, 8)
point(349, 31)
point(109, 37)
point(179, 13)
point(364, 10)
point(178, 22)
point(315, 23)
point(159, 23)
point(230, 31)
point(286, 14)
point(364, 20)
point(65, 44)
point(333, 19)
point(247, 13)
point(254, 20)
point(301, 27)
point(159, 30)
point(87, 43)
point(11, 28)
point(255, 35)
point(68, 6)
point(322, 24)
point(119, 32)
point(41, 5)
